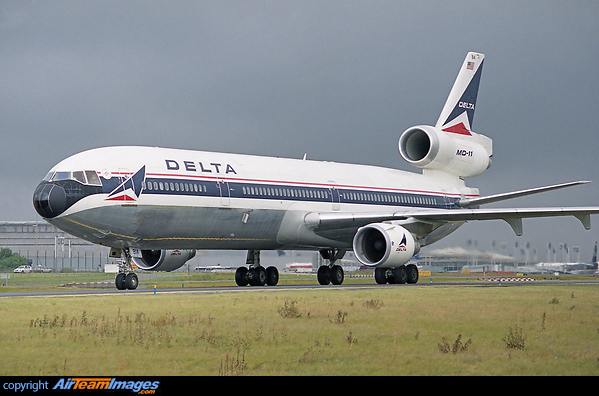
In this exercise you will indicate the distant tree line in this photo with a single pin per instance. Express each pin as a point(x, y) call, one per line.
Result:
point(10, 260)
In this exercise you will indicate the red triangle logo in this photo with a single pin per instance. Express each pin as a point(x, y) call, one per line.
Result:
point(460, 129)
point(122, 197)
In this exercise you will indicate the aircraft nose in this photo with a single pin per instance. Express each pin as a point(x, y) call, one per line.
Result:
point(49, 200)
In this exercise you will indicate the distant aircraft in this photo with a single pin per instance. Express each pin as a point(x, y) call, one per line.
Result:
point(574, 268)
point(156, 206)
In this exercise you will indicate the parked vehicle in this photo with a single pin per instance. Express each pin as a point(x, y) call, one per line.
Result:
point(45, 270)
point(23, 269)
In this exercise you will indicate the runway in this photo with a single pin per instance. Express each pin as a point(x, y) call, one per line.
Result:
point(89, 292)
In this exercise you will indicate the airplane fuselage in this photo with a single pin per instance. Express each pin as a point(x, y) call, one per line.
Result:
point(157, 198)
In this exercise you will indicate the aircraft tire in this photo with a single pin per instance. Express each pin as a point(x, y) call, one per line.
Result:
point(400, 275)
point(119, 281)
point(257, 276)
point(336, 275)
point(323, 275)
point(412, 273)
point(380, 276)
point(131, 281)
point(272, 276)
point(241, 276)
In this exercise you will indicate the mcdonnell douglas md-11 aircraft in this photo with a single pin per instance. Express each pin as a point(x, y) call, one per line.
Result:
point(156, 206)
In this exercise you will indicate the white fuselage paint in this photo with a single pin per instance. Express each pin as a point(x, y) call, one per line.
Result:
point(206, 200)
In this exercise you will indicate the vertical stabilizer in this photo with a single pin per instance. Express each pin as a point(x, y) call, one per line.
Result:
point(458, 113)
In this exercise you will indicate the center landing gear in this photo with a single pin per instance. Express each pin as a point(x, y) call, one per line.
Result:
point(256, 275)
point(125, 279)
point(331, 273)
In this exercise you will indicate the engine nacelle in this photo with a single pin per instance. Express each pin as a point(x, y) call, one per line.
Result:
point(384, 245)
point(463, 154)
point(161, 260)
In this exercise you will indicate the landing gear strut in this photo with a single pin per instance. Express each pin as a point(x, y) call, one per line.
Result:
point(125, 279)
point(256, 275)
point(331, 273)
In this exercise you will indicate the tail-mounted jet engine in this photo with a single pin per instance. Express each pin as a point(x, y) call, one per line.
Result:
point(162, 260)
point(460, 152)
point(384, 245)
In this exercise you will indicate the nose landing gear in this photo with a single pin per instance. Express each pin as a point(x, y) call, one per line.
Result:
point(125, 279)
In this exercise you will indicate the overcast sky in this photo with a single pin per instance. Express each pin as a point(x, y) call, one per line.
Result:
point(338, 80)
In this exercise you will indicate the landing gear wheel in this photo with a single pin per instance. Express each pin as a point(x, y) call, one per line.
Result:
point(241, 276)
point(257, 276)
point(412, 273)
point(131, 281)
point(119, 281)
point(336, 274)
point(380, 276)
point(400, 275)
point(126, 281)
point(272, 276)
point(323, 275)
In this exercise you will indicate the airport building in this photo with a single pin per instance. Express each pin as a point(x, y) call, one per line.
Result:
point(44, 245)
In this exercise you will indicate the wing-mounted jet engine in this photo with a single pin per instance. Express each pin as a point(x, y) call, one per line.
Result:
point(384, 245)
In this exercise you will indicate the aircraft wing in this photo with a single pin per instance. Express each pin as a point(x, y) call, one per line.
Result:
point(513, 216)
point(468, 203)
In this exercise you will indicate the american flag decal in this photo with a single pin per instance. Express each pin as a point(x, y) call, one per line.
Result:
point(470, 66)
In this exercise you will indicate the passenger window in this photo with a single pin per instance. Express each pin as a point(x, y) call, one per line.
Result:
point(92, 178)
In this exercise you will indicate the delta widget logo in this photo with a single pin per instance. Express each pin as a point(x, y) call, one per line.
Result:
point(130, 189)
point(402, 247)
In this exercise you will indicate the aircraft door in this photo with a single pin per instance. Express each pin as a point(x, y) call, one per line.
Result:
point(335, 197)
point(123, 174)
point(225, 193)
point(447, 202)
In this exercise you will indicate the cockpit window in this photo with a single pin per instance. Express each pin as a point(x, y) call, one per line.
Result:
point(61, 176)
point(92, 178)
point(85, 177)
point(49, 176)
point(79, 176)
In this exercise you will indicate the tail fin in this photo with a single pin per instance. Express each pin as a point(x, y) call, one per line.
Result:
point(458, 112)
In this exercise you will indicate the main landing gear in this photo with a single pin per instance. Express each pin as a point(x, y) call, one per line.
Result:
point(402, 274)
point(331, 273)
point(126, 279)
point(256, 275)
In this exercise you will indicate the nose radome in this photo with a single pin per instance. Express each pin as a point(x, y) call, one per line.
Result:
point(49, 200)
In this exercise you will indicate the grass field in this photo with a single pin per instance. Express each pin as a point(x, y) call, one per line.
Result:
point(433, 330)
